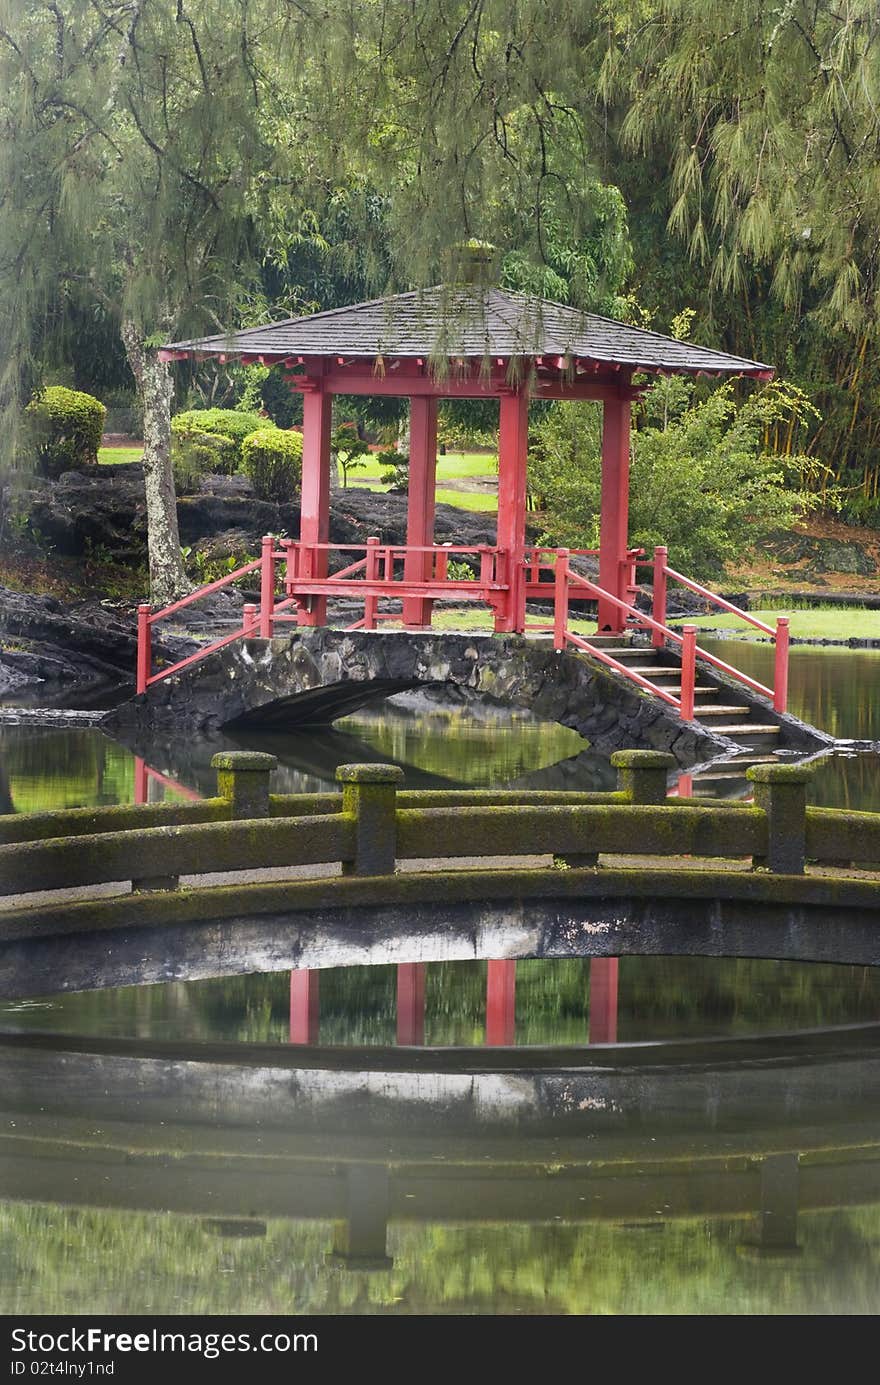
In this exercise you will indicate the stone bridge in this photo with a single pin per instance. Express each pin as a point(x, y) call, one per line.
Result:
point(322, 674)
point(421, 875)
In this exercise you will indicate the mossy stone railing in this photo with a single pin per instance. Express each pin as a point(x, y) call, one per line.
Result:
point(373, 824)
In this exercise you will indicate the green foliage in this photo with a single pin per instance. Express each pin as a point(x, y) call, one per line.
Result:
point(195, 454)
point(235, 424)
point(205, 569)
point(63, 430)
point(466, 423)
point(703, 480)
point(395, 473)
point(282, 404)
point(459, 571)
point(347, 449)
point(272, 458)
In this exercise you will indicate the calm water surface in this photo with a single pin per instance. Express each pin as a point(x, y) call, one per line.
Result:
point(176, 1185)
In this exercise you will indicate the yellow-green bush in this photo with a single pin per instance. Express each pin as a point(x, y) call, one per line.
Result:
point(194, 455)
point(226, 423)
point(272, 458)
point(63, 429)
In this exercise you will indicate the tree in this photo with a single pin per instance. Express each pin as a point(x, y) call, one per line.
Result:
point(133, 148)
point(703, 479)
point(347, 449)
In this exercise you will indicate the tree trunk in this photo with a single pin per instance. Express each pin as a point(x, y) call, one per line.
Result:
point(168, 580)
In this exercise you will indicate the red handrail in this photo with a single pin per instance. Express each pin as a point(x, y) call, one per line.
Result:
point(372, 577)
point(564, 579)
point(778, 694)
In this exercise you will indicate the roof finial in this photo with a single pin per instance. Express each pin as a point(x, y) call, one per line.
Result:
point(473, 263)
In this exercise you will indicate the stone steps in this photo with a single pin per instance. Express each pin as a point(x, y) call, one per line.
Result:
point(651, 664)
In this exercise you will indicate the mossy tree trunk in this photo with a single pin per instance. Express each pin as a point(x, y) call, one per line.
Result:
point(168, 580)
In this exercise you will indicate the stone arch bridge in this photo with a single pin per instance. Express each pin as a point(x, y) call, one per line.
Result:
point(322, 674)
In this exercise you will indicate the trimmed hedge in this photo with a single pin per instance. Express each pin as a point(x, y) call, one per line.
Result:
point(194, 455)
point(272, 458)
point(63, 429)
point(225, 423)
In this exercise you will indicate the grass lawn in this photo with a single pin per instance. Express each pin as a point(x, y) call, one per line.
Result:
point(449, 468)
point(816, 623)
point(454, 466)
point(481, 619)
point(111, 456)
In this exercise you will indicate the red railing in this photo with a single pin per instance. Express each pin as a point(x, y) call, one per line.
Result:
point(380, 572)
point(143, 773)
point(565, 579)
point(376, 575)
point(778, 694)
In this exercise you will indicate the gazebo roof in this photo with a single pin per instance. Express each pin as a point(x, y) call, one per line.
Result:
point(470, 323)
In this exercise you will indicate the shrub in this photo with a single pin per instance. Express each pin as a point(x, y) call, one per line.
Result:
point(227, 423)
point(272, 459)
point(702, 481)
point(64, 429)
point(194, 455)
point(348, 449)
point(395, 473)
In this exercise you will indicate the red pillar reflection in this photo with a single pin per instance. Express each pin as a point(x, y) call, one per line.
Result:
point(304, 1007)
point(411, 1002)
point(501, 1003)
point(603, 1000)
point(141, 785)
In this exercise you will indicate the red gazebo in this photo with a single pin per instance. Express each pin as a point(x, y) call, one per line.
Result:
point(466, 343)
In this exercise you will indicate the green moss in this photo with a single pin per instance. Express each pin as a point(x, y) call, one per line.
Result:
point(370, 774)
point(780, 773)
point(244, 760)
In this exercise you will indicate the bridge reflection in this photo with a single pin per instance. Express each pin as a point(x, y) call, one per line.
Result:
point(762, 1131)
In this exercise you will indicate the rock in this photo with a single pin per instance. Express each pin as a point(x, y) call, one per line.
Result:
point(87, 643)
point(105, 513)
point(822, 555)
point(837, 556)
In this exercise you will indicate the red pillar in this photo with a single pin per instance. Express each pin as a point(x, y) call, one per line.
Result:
point(501, 1004)
point(511, 532)
point(603, 1000)
point(315, 497)
point(304, 1007)
point(417, 567)
point(411, 1003)
point(614, 516)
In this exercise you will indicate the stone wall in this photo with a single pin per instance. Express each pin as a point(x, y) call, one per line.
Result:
point(323, 674)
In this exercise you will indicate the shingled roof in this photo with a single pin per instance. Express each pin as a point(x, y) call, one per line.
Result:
point(466, 322)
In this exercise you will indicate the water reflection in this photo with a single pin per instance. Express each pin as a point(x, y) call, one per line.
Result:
point(439, 747)
point(742, 1182)
point(562, 1002)
point(738, 1175)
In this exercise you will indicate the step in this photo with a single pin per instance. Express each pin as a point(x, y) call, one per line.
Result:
point(656, 670)
point(626, 651)
point(729, 711)
point(747, 728)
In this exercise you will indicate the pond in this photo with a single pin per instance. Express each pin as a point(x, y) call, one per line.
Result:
point(176, 1153)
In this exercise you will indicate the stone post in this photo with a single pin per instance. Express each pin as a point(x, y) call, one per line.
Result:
point(243, 779)
point(360, 1242)
point(641, 774)
point(369, 795)
point(781, 791)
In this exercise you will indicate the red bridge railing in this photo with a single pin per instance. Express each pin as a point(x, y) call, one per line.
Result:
point(663, 574)
point(566, 582)
point(376, 571)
